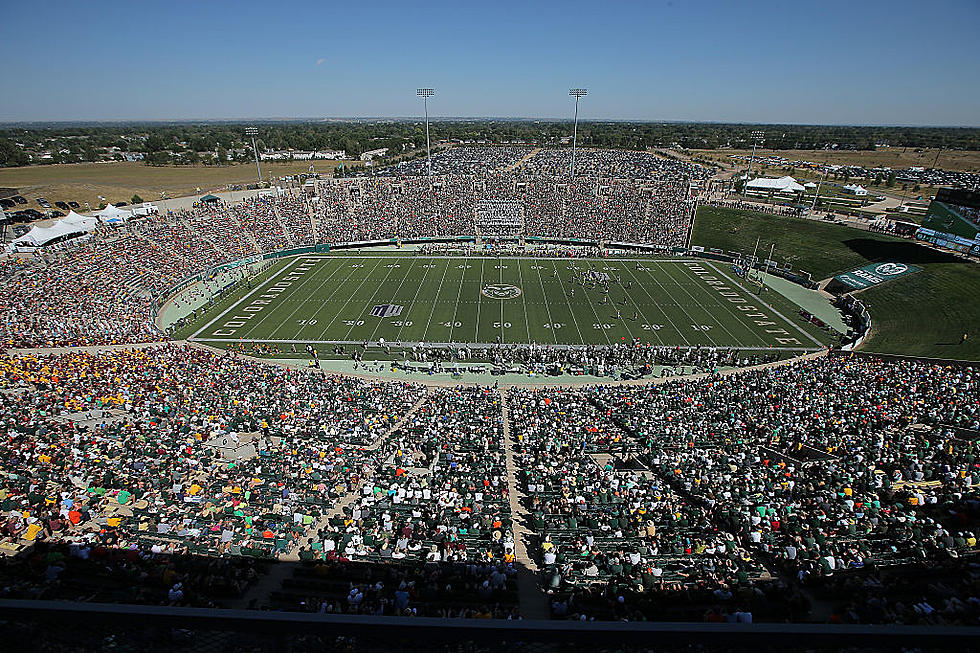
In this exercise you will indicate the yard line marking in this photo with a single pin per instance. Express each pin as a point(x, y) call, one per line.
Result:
point(446, 345)
point(459, 293)
point(701, 305)
point(622, 319)
point(629, 296)
point(500, 268)
point(697, 281)
point(713, 342)
point(596, 313)
point(327, 299)
point(570, 309)
point(354, 294)
point(479, 303)
point(285, 301)
point(398, 336)
point(374, 295)
point(395, 296)
point(666, 314)
point(547, 306)
point(435, 301)
point(771, 309)
point(527, 324)
point(240, 301)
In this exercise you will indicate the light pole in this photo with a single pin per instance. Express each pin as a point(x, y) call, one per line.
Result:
point(576, 93)
point(253, 132)
point(756, 137)
point(816, 195)
point(425, 94)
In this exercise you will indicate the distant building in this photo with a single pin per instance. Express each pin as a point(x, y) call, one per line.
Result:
point(302, 155)
point(370, 155)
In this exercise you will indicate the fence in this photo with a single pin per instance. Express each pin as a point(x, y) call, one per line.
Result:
point(56, 625)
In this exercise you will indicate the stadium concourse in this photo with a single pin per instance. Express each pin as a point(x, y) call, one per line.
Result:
point(835, 487)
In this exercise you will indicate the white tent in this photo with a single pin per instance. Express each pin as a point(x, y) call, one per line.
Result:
point(855, 189)
point(111, 211)
point(40, 236)
point(782, 185)
point(76, 220)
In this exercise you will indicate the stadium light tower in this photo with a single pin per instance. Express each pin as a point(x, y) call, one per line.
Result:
point(425, 94)
point(756, 136)
point(253, 132)
point(813, 204)
point(576, 93)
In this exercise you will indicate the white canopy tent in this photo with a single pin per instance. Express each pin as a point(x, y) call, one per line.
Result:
point(111, 211)
point(855, 189)
point(73, 223)
point(81, 221)
point(781, 185)
point(41, 236)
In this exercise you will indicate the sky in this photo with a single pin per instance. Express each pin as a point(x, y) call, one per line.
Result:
point(857, 62)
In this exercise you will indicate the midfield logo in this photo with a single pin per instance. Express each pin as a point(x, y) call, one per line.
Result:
point(387, 310)
point(501, 291)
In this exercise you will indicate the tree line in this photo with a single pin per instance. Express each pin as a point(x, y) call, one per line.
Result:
point(219, 143)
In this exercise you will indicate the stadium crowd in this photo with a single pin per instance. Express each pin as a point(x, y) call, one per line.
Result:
point(102, 289)
point(742, 495)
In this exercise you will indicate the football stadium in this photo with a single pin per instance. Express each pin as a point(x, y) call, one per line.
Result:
point(522, 393)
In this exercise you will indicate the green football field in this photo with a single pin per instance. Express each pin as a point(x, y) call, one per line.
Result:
point(338, 299)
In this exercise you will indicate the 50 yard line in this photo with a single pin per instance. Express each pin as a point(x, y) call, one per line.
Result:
point(500, 268)
point(479, 303)
point(459, 294)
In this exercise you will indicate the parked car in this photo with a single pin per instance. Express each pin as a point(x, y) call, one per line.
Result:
point(20, 199)
point(73, 205)
point(7, 203)
point(62, 205)
point(44, 203)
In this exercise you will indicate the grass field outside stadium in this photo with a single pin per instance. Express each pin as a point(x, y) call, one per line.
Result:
point(351, 299)
point(923, 314)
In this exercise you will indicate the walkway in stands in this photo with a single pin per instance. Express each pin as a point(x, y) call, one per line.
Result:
point(533, 602)
point(506, 381)
point(259, 594)
point(524, 159)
